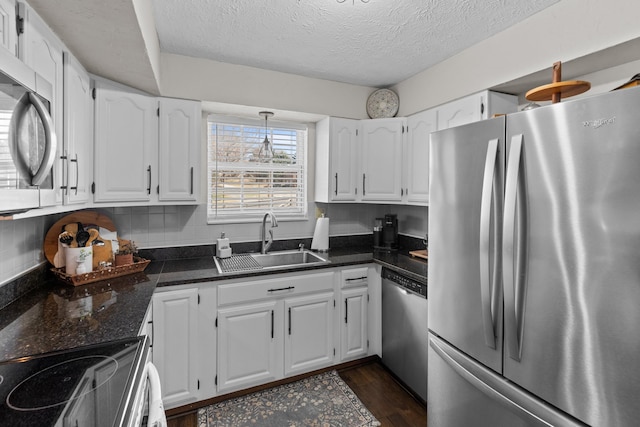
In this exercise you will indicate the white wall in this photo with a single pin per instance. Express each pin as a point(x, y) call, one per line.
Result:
point(206, 80)
point(568, 30)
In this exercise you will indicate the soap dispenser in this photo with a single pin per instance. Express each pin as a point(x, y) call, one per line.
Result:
point(223, 250)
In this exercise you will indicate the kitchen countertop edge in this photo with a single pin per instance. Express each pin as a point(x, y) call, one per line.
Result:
point(118, 307)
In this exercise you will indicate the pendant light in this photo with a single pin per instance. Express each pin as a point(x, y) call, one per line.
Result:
point(266, 149)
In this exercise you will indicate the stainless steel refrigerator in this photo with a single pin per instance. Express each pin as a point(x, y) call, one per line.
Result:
point(534, 267)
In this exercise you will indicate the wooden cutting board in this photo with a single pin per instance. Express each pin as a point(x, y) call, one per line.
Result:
point(85, 217)
point(420, 254)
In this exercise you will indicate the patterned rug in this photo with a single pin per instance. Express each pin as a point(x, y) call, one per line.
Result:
point(323, 400)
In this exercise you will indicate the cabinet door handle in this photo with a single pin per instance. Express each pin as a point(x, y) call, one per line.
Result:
point(271, 324)
point(336, 192)
point(288, 288)
point(289, 320)
point(364, 191)
point(356, 279)
point(77, 174)
point(346, 311)
point(149, 177)
point(64, 186)
point(191, 180)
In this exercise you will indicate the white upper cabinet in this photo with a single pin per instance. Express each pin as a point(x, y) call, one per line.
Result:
point(476, 107)
point(126, 141)
point(8, 33)
point(147, 148)
point(41, 49)
point(416, 157)
point(337, 160)
point(78, 132)
point(381, 171)
point(179, 149)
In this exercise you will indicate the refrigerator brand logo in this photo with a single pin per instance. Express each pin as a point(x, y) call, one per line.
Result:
point(599, 123)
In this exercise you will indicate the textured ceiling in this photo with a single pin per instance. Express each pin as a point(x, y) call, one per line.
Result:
point(377, 43)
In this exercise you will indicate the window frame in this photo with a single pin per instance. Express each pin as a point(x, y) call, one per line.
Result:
point(241, 218)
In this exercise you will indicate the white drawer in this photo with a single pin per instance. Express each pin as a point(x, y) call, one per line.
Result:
point(233, 293)
point(355, 277)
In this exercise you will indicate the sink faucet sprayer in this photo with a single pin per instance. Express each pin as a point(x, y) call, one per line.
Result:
point(274, 223)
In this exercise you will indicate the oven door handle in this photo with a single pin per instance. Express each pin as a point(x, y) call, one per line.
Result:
point(157, 417)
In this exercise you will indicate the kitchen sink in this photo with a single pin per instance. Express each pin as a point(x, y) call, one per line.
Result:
point(269, 261)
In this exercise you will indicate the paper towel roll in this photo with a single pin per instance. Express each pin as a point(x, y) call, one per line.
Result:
point(320, 240)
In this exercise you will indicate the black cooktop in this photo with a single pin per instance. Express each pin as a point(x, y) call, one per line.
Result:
point(86, 386)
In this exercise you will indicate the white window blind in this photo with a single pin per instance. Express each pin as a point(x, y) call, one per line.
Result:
point(243, 184)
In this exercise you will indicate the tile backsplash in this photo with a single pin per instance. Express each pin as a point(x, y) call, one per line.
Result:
point(20, 246)
point(167, 226)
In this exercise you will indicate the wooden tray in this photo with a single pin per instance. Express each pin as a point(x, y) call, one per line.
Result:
point(86, 217)
point(95, 276)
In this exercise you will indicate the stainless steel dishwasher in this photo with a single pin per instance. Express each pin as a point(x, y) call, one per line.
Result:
point(404, 330)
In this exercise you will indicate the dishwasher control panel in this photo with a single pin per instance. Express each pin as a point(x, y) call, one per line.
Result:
point(406, 282)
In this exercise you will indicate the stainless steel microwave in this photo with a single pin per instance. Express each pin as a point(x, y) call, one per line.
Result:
point(27, 138)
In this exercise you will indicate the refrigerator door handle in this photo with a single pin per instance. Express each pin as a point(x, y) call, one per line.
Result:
point(513, 250)
point(530, 409)
point(488, 288)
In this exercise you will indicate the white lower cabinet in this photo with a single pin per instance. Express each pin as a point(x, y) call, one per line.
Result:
point(218, 337)
point(249, 343)
point(354, 335)
point(184, 342)
point(354, 313)
point(309, 340)
point(175, 319)
point(274, 328)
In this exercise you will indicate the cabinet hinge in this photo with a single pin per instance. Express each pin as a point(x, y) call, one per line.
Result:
point(19, 25)
point(93, 93)
point(93, 187)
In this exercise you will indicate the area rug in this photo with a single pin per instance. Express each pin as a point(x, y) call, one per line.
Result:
point(323, 400)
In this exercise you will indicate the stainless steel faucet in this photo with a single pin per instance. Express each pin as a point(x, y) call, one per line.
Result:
point(274, 223)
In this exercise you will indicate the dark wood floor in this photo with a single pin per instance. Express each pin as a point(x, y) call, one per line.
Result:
point(375, 387)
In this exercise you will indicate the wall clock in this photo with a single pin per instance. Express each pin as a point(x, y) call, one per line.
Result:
point(382, 103)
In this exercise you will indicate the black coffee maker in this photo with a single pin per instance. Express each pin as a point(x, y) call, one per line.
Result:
point(385, 233)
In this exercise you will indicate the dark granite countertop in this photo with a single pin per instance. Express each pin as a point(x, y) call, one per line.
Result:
point(57, 316)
